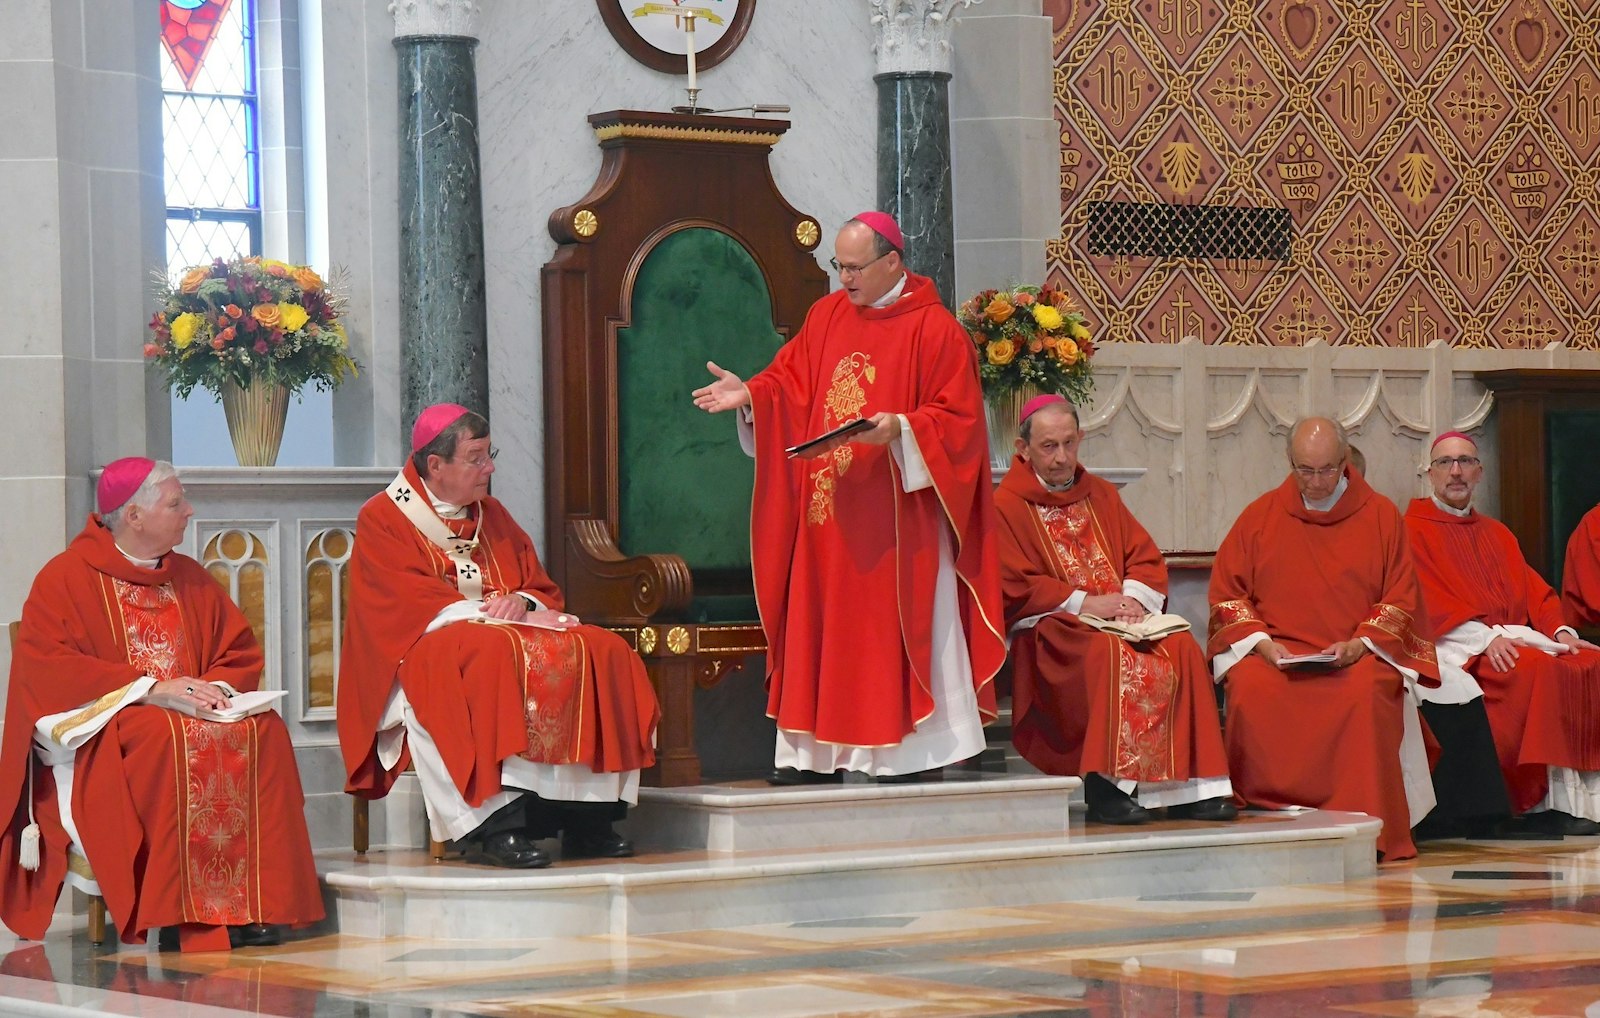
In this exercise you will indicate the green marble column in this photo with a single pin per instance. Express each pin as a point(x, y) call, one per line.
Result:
point(914, 170)
point(444, 345)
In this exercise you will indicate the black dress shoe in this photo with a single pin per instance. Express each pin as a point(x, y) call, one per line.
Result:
point(1108, 804)
point(1553, 821)
point(509, 849)
point(932, 774)
point(1219, 809)
point(796, 776)
point(254, 935)
point(597, 844)
point(167, 939)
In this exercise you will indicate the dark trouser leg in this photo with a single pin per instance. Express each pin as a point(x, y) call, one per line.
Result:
point(1467, 780)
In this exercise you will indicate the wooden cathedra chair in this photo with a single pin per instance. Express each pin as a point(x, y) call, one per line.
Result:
point(97, 904)
point(683, 251)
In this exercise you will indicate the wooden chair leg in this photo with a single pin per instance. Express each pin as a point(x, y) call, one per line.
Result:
point(361, 832)
point(97, 920)
point(436, 850)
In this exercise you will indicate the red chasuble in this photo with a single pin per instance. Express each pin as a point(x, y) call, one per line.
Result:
point(183, 821)
point(1320, 737)
point(1083, 700)
point(1580, 575)
point(844, 559)
point(484, 692)
point(1546, 710)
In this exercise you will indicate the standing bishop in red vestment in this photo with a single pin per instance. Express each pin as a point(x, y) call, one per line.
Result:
point(874, 554)
point(1125, 714)
point(1498, 629)
point(108, 781)
point(1319, 566)
point(458, 656)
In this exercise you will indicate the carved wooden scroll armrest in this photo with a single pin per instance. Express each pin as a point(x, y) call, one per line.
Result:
point(607, 587)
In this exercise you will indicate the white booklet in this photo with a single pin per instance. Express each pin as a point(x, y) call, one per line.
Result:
point(1151, 627)
point(240, 706)
point(1292, 660)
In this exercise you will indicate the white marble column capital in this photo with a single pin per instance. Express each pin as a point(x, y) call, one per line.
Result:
point(435, 17)
point(914, 35)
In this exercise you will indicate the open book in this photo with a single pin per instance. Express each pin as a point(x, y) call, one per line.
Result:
point(1151, 627)
point(239, 706)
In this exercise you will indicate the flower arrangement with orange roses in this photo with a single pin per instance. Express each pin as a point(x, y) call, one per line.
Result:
point(1030, 335)
point(247, 319)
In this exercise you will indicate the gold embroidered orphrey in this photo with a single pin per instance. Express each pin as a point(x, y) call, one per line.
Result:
point(847, 394)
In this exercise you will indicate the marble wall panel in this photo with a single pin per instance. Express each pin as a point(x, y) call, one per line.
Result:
point(118, 269)
point(27, 21)
point(28, 123)
point(30, 260)
point(1003, 64)
point(32, 440)
point(358, 140)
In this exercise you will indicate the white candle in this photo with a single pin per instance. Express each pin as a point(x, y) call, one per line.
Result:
point(689, 34)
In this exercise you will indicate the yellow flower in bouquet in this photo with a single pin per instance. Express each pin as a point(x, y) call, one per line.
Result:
point(1030, 336)
point(247, 319)
point(184, 327)
point(1047, 317)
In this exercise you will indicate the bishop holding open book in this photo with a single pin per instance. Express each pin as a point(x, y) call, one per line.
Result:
point(1104, 685)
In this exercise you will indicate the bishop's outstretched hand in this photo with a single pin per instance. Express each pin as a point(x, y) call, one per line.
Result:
point(728, 392)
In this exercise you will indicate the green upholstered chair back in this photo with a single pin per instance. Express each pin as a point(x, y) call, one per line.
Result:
point(683, 481)
point(1571, 437)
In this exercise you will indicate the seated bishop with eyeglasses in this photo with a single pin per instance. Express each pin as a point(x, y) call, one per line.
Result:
point(1499, 631)
point(1319, 567)
point(459, 656)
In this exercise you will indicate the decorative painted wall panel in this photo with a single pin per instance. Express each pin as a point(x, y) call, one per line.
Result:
point(1436, 156)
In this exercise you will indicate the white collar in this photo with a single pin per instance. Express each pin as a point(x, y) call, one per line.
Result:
point(446, 510)
point(894, 293)
point(142, 563)
point(1324, 505)
point(1057, 487)
point(1452, 510)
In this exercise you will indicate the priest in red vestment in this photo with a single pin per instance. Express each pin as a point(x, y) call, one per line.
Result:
point(1580, 574)
point(109, 782)
point(1319, 566)
point(1127, 715)
point(874, 554)
point(1498, 629)
point(458, 656)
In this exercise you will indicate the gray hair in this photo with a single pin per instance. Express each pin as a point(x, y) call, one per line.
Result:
point(1025, 431)
point(143, 496)
point(1338, 432)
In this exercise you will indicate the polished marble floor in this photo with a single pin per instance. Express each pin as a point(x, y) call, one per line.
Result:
point(1469, 929)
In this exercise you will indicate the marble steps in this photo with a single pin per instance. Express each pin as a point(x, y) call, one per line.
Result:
point(823, 853)
point(744, 817)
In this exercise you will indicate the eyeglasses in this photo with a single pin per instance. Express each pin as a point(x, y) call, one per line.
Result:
point(856, 270)
point(1446, 462)
point(479, 462)
point(1307, 473)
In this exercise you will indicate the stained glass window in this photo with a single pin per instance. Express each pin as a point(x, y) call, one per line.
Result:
point(211, 130)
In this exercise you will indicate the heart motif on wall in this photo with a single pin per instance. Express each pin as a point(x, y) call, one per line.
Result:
point(1528, 36)
point(1301, 27)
